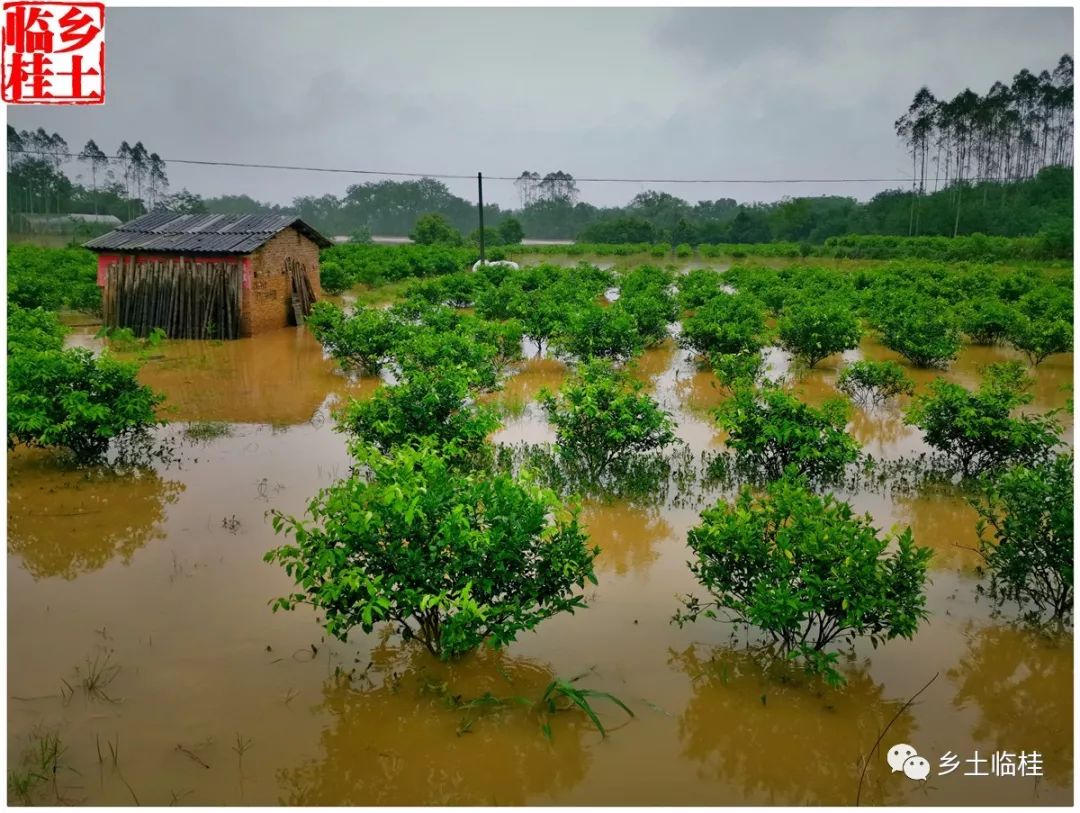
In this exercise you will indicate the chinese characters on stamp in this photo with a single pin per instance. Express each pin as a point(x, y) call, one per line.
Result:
point(53, 53)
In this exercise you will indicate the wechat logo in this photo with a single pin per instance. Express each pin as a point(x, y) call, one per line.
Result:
point(903, 757)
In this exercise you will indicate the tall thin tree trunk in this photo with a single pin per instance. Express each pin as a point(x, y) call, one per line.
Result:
point(959, 196)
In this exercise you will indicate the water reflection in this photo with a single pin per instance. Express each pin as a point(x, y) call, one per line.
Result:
point(783, 738)
point(532, 376)
point(404, 739)
point(944, 522)
point(699, 390)
point(1020, 683)
point(881, 431)
point(627, 535)
point(279, 378)
point(64, 522)
point(654, 361)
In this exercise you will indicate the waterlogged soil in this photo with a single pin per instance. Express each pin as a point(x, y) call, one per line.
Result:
point(139, 631)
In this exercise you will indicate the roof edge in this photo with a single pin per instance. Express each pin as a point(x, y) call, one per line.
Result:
point(311, 233)
point(296, 222)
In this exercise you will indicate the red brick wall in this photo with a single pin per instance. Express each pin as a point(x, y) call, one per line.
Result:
point(267, 303)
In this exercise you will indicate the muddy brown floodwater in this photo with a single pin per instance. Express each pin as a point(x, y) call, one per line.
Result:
point(216, 700)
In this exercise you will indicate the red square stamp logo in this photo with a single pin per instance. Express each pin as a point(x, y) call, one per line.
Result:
point(53, 53)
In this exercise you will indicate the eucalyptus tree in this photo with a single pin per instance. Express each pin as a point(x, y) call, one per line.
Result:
point(95, 158)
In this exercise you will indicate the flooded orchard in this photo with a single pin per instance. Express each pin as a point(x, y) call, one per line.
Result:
point(140, 631)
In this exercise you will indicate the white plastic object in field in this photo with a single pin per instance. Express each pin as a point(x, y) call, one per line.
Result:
point(503, 263)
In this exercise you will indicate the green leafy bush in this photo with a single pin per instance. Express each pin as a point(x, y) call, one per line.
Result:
point(975, 431)
point(52, 278)
point(333, 277)
point(697, 287)
point(812, 331)
point(434, 405)
point(1043, 325)
point(773, 432)
point(69, 399)
point(726, 323)
point(1026, 537)
point(501, 301)
point(653, 310)
point(361, 264)
point(603, 419)
point(593, 331)
point(874, 381)
point(362, 340)
point(921, 331)
point(978, 247)
point(806, 570)
point(481, 350)
point(451, 559)
point(33, 329)
point(1040, 338)
point(735, 369)
point(542, 317)
point(987, 320)
point(434, 229)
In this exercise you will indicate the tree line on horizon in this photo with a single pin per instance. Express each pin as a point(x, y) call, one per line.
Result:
point(1000, 164)
point(1011, 133)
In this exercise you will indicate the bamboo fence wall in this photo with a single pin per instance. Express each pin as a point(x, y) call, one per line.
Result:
point(187, 299)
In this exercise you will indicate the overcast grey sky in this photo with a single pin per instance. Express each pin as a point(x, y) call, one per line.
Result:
point(747, 93)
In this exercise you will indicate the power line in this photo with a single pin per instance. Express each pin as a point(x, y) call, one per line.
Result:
point(471, 176)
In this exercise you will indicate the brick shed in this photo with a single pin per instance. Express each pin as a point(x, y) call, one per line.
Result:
point(208, 276)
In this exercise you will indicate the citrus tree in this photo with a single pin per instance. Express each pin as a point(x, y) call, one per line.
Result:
point(874, 381)
point(593, 331)
point(33, 329)
point(921, 330)
point(452, 559)
point(362, 340)
point(603, 419)
point(1026, 538)
point(434, 405)
point(806, 570)
point(1040, 337)
point(812, 331)
point(772, 431)
point(987, 320)
point(976, 430)
point(72, 400)
point(726, 323)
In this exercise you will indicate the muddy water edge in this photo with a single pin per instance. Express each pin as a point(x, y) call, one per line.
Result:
point(139, 631)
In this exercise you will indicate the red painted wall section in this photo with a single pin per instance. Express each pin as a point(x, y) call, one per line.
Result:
point(103, 263)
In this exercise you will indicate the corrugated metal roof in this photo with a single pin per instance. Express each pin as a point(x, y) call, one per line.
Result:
point(200, 234)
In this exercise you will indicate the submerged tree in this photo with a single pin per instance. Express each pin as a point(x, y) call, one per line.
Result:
point(725, 323)
point(806, 570)
point(1026, 538)
point(921, 331)
point(812, 331)
point(773, 432)
point(452, 559)
point(976, 431)
point(603, 420)
point(435, 406)
point(874, 382)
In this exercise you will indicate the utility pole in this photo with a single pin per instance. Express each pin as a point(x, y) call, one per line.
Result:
point(480, 188)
